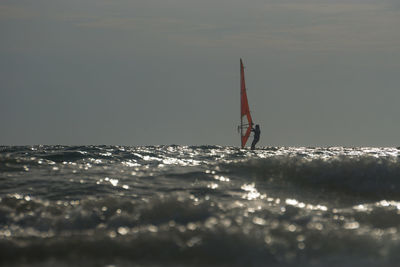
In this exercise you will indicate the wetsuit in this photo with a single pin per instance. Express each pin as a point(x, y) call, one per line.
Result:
point(256, 137)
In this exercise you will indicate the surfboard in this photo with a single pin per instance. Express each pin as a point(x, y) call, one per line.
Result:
point(246, 122)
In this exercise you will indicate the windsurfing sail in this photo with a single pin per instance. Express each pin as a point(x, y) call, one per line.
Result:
point(246, 121)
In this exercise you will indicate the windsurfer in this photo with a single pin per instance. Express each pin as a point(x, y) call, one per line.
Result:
point(257, 132)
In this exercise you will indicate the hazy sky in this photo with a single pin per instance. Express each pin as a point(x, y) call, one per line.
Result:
point(145, 72)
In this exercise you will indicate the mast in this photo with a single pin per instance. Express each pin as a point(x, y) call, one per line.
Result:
point(241, 96)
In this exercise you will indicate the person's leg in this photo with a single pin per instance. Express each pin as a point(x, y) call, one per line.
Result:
point(253, 145)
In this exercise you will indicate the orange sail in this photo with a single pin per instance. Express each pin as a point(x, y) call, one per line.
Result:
point(246, 121)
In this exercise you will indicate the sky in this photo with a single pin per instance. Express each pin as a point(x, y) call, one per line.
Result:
point(155, 72)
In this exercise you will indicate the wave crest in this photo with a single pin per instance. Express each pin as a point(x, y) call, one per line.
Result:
point(367, 176)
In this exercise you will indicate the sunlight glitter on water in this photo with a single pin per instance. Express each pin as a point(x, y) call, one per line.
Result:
point(251, 192)
point(322, 202)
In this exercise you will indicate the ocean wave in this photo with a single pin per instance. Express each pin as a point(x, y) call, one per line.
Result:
point(198, 206)
point(183, 230)
point(367, 176)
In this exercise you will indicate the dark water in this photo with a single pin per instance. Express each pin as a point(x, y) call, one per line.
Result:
point(199, 206)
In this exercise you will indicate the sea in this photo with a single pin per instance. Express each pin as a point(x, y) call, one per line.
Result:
point(172, 205)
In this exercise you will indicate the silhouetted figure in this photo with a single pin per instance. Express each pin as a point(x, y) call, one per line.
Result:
point(256, 136)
